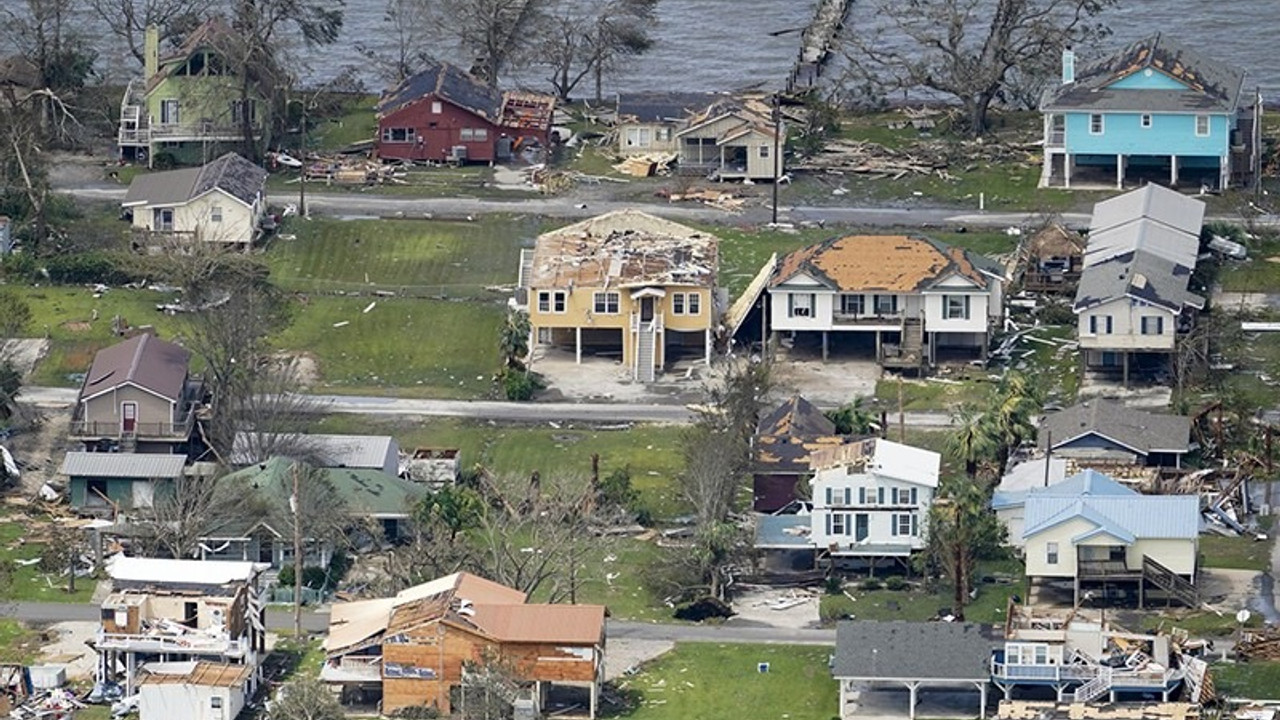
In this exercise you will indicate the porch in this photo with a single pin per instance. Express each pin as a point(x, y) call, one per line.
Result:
point(1087, 172)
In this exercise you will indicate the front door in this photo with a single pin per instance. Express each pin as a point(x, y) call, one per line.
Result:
point(646, 309)
point(128, 418)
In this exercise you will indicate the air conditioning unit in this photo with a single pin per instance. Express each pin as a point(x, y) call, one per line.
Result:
point(218, 616)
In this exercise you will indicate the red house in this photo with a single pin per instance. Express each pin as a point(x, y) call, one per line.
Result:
point(444, 114)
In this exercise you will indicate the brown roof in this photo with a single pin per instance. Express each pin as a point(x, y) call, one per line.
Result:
point(895, 263)
point(143, 360)
point(625, 248)
point(206, 674)
point(573, 624)
point(796, 416)
point(1056, 241)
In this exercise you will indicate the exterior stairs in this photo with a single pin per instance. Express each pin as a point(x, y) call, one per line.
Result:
point(1095, 688)
point(645, 340)
point(912, 336)
point(1170, 582)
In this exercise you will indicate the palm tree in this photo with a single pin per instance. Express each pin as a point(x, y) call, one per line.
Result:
point(961, 530)
point(1013, 420)
point(853, 418)
point(973, 440)
point(514, 341)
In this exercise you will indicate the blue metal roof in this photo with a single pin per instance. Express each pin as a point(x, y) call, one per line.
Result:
point(1087, 483)
point(1122, 516)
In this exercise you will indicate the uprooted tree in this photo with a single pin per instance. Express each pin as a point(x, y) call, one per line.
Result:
point(971, 51)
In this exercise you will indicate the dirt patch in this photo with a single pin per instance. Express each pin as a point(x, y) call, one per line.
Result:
point(606, 380)
point(830, 383)
point(70, 649)
point(76, 326)
point(626, 655)
point(1229, 590)
point(39, 449)
point(304, 366)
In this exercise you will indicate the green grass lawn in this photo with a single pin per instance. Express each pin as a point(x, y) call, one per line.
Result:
point(1256, 680)
point(705, 681)
point(28, 582)
point(65, 315)
point(1260, 273)
point(357, 122)
point(932, 395)
point(916, 604)
point(630, 595)
point(651, 452)
point(437, 348)
point(1053, 365)
point(1238, 553)
point(18, 643)
point(419, 257)
point(1198, 623)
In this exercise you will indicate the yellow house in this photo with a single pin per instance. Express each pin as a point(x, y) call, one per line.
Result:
point(624, 284)
point(222, 202)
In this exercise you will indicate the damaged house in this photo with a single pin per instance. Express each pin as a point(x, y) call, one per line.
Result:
point(1135, 301)
point(1052, 259)
point(648, 122)
point(1083, 659)
point(781, 447)
point(202, 615)
point(445, 115)
point(733, 139)
point(221, 203)
point(911, 301)
point(1155, 110)
point(624, 285)
point(1106, 434)
point(415, 649)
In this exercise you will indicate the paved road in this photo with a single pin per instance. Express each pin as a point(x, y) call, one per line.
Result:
point(48, 397)
point(318, 621)
point(372, 205)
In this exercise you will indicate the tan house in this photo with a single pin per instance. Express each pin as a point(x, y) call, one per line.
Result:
point(414, 649)
point(648, 122)
point(221, 202)
point(626, 285)
point(733, 140)
point(181, 611)
point(138, 396)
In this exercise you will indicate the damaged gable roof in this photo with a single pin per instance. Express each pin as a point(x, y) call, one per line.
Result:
point(624, 248)
point(1211, 85)
point(663, 106)
point(796, 417)
point(230, 173)
point(894, 263)
point(448, 82)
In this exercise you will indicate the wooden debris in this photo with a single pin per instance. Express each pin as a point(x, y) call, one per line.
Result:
point(647, 165)
point(1259, 645)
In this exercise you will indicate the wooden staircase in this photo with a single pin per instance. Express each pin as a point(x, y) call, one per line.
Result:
point(1167, 580)
point(645, 340)
point(1095, 688)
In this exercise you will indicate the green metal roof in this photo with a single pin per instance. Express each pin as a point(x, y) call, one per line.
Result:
point(366, 492)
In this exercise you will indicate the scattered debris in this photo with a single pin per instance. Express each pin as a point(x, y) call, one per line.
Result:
point(647, 165)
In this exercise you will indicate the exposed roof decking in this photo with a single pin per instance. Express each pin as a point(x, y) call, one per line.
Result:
point(230, 173)
point(624, 249)
point(890, 263)
point(455, 85)
point(1212, 85)
point(203, 674)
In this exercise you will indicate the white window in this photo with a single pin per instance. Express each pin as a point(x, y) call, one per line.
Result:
point(904, 525)
point(1202, 126)
point(162, 219)
point(436, 107)
point(1100, 325)
point(904, 496)
point(1152, 325)
point(764, 152)
point(474, 134)
point(215, 214)
point(551, 302)
point(886, 304)
point(1095, 124)
point(800, 304)
point(662, 134)
point(169, 112)
point(398, 135)
point(695, 304)
point(215, 703)
point(606, 303)
point(956, 307)
point(1051, 553)
point(677, 304)
point(638, 137)
point(1145, 121)
point(852, 305)
point(242, 110)
point(839, 524)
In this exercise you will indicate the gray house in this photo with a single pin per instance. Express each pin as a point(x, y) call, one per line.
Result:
point(138, 396)
point(1106, 432)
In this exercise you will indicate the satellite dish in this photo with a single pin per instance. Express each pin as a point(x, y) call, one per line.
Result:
point(1243, 616)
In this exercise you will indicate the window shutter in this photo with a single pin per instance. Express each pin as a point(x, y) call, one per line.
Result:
point(893, 525)
point(791, 305)
point(879, 496)
point(828, 523)
point(862, 496)
point(1108, 324)
point(915, 528)
point(813, 305)
point(848, 496)
point(1093, 324)
point(830, 492)
point(966, 307)
point(913, 497)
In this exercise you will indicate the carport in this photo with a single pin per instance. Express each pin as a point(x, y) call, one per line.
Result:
point(913, 655)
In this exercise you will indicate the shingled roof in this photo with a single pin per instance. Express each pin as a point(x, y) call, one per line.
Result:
point(448, 82)
point(790, 433)
point(1139, 430)
point(1140, 275)
point(899, 650)
point(663, 106)
point(1212, 85)
point(230, 173)
point(144, 361)
point(892, 263)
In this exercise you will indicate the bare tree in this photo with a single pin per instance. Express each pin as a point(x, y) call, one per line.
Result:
point(191, 508)
point(498, 34)
point(592, 38)
point(409, 40)
point(128, 20)
point(964, 49)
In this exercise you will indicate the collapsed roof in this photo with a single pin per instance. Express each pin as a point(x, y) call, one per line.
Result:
point(891, 263)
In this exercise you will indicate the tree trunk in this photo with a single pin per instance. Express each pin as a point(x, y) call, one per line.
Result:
point(971, 468)
point(977, 108)
point(961, 580)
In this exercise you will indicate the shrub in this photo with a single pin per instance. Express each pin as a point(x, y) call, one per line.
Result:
point(521, 386)
point(870, 584)
point(89, 267)
point(833, 585)
point(895, 583)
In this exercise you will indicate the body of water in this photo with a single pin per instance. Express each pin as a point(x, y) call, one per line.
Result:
point(727, 44)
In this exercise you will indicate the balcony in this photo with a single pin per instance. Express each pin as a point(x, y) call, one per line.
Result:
point(177, 428)
point(1056, 139)
point(891, 321)
point(1106, 570)
point(194, 642)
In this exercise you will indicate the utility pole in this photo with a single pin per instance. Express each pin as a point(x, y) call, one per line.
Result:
point(302, 158)
point(777, 151)
point(295, 504)
point(902, 415)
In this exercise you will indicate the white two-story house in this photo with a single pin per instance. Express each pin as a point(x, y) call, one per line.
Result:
point(1135, 290)
point(913, 299)
point(870, 505)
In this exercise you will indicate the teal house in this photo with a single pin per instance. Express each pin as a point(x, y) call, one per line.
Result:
point(1155, 111)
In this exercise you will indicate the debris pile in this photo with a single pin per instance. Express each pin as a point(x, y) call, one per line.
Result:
point(647, 165)
point(933, 157)
point(1259, 645)
point(712, 198)
point(55, 704)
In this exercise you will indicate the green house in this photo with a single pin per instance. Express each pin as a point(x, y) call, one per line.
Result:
point(188, 106)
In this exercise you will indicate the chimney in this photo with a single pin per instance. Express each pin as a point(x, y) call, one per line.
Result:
point(1068, 65)
point(151, 52)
